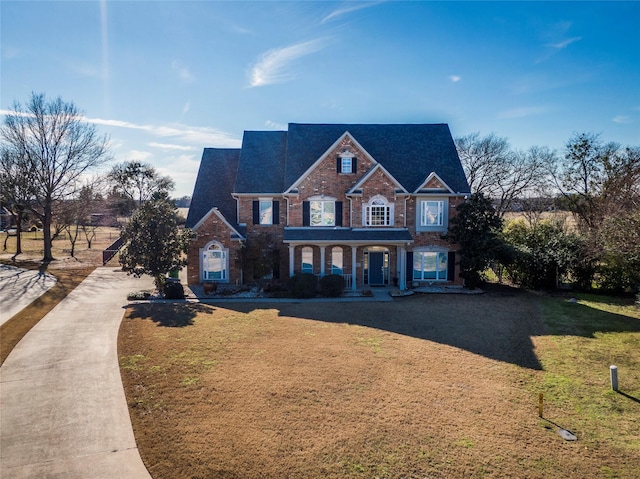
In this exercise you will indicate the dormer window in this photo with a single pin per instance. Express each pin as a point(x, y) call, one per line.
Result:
point(347, 163)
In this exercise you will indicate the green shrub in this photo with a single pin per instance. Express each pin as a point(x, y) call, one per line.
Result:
point(332, 285)
point(173, 290)
point(303, 285)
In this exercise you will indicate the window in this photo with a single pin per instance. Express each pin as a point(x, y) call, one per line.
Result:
point(266, 212)
point(378, 212)
point(214, 263)
point(323, 213)
point(307, 260)
point(347, 164)
point(336, 260)
point(430, 265)
point(432, 213)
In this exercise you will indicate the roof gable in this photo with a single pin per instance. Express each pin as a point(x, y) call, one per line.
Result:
point(214, 185)
point(433, 184)
point(407, 151)
point(378, 167)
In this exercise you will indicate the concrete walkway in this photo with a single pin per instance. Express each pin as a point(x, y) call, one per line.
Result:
point(19, 288)
point(63, 413)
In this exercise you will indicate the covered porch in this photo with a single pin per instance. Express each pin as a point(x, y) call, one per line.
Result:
point(364, 257)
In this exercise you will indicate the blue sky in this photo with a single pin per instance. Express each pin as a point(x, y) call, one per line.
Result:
point(166, 79)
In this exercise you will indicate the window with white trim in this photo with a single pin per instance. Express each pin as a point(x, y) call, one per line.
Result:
point(337, 259)
point(307, 259)
point(346, 165)
point(431, 213)
point(266, 212)
point(214, 263)
point(430, 265)
point(322, 213)
point(378, 212)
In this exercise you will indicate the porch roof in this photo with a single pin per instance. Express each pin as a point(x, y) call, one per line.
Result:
point(347, 235)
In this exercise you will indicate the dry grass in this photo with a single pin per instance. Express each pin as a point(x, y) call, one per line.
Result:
point(13, 330)
point(68, 271)
point(429, 386)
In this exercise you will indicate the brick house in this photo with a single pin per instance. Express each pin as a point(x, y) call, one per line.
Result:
point(369, 202)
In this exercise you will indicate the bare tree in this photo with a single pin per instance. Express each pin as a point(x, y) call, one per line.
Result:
point(498, 172)
point(16, 191)
point(58, 146)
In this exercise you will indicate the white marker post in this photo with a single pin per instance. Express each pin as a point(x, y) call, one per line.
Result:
point(613, 371)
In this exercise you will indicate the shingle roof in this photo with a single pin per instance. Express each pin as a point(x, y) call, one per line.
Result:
point(347, 235)
point(408, 151)
point(214, 185)
point(271, 161)
point(262, 162)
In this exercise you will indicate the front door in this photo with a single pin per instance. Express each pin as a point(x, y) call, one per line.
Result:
point(376, 268)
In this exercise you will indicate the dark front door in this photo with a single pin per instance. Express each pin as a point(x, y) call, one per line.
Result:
point(376, 268)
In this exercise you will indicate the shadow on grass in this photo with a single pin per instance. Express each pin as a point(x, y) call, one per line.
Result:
point(498, 325)
point(628, 396)
point(170, 315)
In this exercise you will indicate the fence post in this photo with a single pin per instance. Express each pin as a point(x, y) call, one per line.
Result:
point(613, 372)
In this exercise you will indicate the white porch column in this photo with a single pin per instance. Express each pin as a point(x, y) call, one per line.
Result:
point(292, 249)
point(322, 248)
point(402, 266)
point(354, 250)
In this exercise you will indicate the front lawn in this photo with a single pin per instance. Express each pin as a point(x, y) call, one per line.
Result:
point(431, 386)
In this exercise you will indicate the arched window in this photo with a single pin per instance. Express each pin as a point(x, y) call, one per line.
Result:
point(378, 212)
point(215, 262)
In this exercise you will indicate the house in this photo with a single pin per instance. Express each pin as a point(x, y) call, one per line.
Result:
point(370, 202)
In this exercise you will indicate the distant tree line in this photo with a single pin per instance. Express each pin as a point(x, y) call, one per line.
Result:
point(596, 183)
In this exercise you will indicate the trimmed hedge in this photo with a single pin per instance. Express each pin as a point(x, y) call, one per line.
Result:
point(332, 285)
point(303, 285)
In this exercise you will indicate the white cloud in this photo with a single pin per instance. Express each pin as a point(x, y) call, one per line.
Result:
point(564, 43)
point(622, 119)
point(168, 146)
point(187, 134)
point(522, 112)
point(344, 11)
point(137, 155)
point(275, 125)
point(186, 107)
point(272, 66)
point(455, 78)
point(183, 72)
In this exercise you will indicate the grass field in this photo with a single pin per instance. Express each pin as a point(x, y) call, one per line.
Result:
point(436, 386)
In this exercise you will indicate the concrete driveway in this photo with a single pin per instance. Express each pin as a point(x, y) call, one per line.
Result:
point(19, 288)
point(63, 409)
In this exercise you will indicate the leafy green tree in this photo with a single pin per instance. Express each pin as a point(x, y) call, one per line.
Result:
point(155, 244)
point(138, 182)
point(476, 228)
point(546, 255)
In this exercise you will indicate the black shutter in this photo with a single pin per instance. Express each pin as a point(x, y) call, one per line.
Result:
point(339, 165)
point(451, 266)
point(338, 213)
point(256, 212)
point(306, 213)
point(276, 213)
point(409, 268)
point(354, 164)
